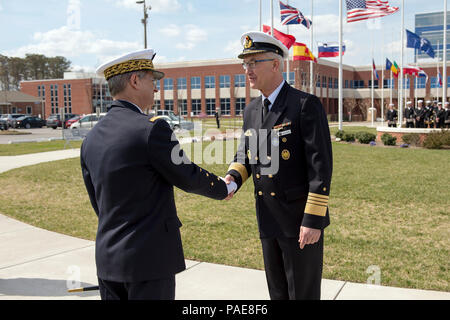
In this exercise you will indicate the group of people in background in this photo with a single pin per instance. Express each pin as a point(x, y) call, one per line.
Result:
point(432, 115)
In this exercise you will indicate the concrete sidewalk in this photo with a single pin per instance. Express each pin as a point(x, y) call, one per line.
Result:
point(40, 264)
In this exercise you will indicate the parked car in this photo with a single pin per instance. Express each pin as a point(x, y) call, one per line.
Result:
point(176, 122)
point(3, 123)
point(10, 119)
point(29, 122)
point(72, 120)
point(54, 120)
point(88, 121)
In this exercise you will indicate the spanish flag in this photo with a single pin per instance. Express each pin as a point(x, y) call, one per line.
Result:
point(301, 52)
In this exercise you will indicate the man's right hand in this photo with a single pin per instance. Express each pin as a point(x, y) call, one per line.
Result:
point(228, 179)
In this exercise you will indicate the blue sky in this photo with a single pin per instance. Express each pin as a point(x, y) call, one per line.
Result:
point(91, 32)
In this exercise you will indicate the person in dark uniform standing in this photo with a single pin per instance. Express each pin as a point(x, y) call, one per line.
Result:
point(409, 115)
point(440, 114)
point(420, 115)
point(217, 116)
point(130, 163)
point(391, 116)
point(429, 115)
point(446, 115)
point(286, 147)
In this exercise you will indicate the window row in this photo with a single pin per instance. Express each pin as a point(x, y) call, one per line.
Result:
point(210, 108)
point(209, 81)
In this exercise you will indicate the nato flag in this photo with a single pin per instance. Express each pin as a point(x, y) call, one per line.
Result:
point(414, 41)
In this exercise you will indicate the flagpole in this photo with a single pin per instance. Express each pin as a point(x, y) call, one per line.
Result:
point(437, 73)
point(311, 65)
point(271, 16)
point(372, 86)
point(444, 57)
point(382, 73)
point(260, 15)
point(400, 105)
point(340, 66)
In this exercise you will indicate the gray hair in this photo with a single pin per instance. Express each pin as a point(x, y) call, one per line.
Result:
point(279, 58)
point(118, 83)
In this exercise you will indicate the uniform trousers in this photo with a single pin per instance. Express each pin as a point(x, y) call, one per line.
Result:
point(159, 289)
point(293, 273)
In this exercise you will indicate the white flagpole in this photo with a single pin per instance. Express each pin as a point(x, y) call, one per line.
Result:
point(372, 86)
point(382, 74)
point(437, 74)
point(444, 58)
point(340, 66)
point(271, 16)
point(400, 105)
point(311, 65)
point(260, 15)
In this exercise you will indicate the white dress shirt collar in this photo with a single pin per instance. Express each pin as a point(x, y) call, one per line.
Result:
point(273, 96)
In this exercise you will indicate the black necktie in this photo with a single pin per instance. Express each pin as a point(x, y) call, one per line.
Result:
point(266, 105)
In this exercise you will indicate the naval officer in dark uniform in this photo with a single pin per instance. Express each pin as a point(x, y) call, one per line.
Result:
point(130, 163)
point(286, 147)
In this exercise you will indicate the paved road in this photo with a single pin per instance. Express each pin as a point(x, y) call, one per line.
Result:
point(36, 134)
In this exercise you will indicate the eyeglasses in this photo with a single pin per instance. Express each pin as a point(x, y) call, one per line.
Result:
point(252, 64)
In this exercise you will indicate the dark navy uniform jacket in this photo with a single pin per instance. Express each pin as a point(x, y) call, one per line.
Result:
point(297, 194)
point(127, 166)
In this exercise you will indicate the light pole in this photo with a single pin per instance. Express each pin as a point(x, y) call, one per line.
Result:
point(144, 21)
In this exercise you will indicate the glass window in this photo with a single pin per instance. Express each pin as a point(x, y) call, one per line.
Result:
point(291, 77)
point(195, 83)
point(196, 106)
point(158, 85)
point(168, 84)
point(225, 106)
point(168, 105)
point(434, 83)
point(210, 82)
point(157, 104)
point(419, 83)
point(210, 107)
point(240, 104)
point(318, 81)
point(181, 83)
point(375, 84)
point(224, 81)
point(182, 107)
point(239, 80)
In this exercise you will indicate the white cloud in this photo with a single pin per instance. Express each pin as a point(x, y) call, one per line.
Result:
point(74, 43)
point(234, 47)
point(171, 30)
point(156, 5)
point(191, 36)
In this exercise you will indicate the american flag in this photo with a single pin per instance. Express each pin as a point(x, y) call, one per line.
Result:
point(291, 15)
point(368, 9)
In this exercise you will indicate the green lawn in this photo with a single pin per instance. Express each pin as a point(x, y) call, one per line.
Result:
point(389, 207)
point(15, 149)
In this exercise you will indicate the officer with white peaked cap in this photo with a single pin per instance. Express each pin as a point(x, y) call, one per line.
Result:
point(292, 138)
point(129, 173)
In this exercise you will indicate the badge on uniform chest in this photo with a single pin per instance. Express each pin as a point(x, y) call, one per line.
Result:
point(283, 129)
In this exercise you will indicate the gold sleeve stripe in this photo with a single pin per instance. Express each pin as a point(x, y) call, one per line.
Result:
point(316, 210)
point(239, 168)
point(316, 195)
point(320, 203)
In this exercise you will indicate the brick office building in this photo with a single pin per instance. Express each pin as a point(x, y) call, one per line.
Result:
point(196, 88)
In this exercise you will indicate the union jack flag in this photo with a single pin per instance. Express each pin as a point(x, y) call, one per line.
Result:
point(368, 9)
point(291, 15)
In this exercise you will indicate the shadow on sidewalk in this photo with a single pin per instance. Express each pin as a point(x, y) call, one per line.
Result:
point(36, 287)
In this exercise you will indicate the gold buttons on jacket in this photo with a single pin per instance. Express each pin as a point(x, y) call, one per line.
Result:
point(258, 176)
point(270, 176)
point(260, 193)
point(212, 183)
point(272, 194)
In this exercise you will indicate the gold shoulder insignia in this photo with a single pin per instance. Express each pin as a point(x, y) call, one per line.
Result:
point(154, 119)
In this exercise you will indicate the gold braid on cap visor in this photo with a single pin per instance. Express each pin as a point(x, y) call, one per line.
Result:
point(128, 66)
